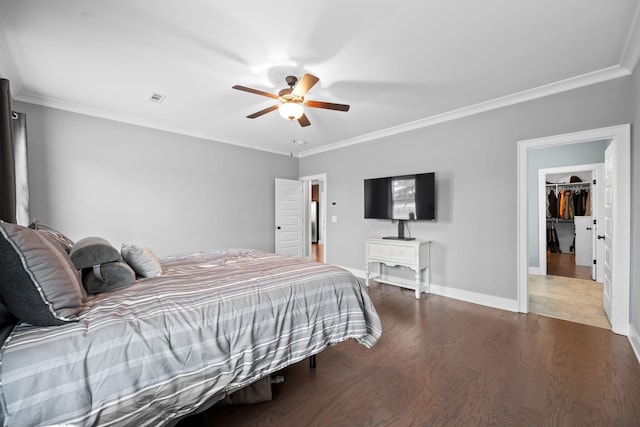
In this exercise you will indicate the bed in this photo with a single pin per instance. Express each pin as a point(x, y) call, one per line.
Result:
point(167, 346)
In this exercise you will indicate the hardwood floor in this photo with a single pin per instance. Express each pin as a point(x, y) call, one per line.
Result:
point(564, 264)
point(567, 298)
point(317, 252)
point(443, 362)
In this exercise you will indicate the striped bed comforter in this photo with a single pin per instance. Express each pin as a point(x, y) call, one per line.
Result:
point(151, 353)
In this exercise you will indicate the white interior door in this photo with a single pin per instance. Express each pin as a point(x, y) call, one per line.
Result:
point(607, 230)
point(597, 205)
point(289, 217)
point(584, 241)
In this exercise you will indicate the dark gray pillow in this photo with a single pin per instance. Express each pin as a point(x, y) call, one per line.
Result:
point(92, 251)
point(38, 282)
point(65, 242)
point(107, 277)
point(142, 259)
point(6, 318)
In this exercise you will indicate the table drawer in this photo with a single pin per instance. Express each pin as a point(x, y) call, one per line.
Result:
point(392, 252)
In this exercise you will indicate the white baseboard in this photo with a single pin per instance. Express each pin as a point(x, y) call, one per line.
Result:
point(462, 295)
point(534, 270)
point(476, 298)
point(634, 339)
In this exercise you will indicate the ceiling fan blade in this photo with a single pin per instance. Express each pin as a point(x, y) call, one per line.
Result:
point(327, 105)
point(304, 121)
point(256, 91)
point(262, 112)
point(303, 86)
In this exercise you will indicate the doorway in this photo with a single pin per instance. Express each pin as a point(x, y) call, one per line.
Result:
point(619, 220)
point(569, 202)
point(315, 220)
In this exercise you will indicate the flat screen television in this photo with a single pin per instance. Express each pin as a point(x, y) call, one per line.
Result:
point(402, 198)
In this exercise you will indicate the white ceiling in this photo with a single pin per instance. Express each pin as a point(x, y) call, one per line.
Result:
point(400, 65)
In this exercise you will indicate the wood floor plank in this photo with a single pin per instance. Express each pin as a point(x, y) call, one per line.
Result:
point(442, 362)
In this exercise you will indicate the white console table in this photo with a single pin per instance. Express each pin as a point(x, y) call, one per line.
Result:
point(412, 254)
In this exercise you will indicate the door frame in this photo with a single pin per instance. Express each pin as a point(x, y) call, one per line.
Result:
point(322, 177)
point(621, 138)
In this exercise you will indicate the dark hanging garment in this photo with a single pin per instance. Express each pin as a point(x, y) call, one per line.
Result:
point(553, 244)
point(583, 202)
point(580, 202)
point(570, 203)
point(553, 204)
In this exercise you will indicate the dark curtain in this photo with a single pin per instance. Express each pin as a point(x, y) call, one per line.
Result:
point(7, 165)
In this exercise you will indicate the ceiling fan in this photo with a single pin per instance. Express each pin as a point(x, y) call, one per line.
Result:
point(292, 100)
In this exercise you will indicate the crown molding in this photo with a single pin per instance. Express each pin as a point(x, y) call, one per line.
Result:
point(137, 121)
point(599, 76)
point(631, 51)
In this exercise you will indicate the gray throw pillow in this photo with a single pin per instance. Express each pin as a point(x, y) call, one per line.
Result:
point(92, 251)
point(141, 259)
point(107, 277)
point(38, 282)
point(6, 318)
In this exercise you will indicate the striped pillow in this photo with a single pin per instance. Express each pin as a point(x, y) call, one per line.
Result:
point(38, 282)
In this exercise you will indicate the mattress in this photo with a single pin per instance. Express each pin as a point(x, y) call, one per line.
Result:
point(151, 353)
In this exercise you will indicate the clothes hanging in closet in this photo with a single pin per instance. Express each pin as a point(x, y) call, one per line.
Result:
point(583, 202)
point(569, 212)
point(552, 204)
point(553, 244)
point(561, 205)
point(568, 203)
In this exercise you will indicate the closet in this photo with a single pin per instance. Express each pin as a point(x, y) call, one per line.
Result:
point(568, 215)
point(565, 201)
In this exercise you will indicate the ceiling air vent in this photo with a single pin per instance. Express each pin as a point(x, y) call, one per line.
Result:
point(156, 97)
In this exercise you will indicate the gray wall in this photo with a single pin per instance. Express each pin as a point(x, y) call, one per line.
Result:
point(475, 161)
point(173, 193)
point(551, 157)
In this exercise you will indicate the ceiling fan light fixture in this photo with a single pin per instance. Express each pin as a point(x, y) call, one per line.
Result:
point(292, 101)
point(291, 110)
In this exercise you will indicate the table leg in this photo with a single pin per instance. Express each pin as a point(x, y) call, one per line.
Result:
point(418, 284)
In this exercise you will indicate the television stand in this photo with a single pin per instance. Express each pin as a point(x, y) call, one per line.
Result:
point(411, 254)
point(401, 226)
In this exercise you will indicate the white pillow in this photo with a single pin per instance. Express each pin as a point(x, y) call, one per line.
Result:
point(141, 259)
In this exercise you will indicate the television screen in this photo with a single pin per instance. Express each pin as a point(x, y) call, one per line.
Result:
point(407, 197)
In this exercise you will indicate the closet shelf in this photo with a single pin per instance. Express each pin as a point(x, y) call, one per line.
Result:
point(570, 184)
